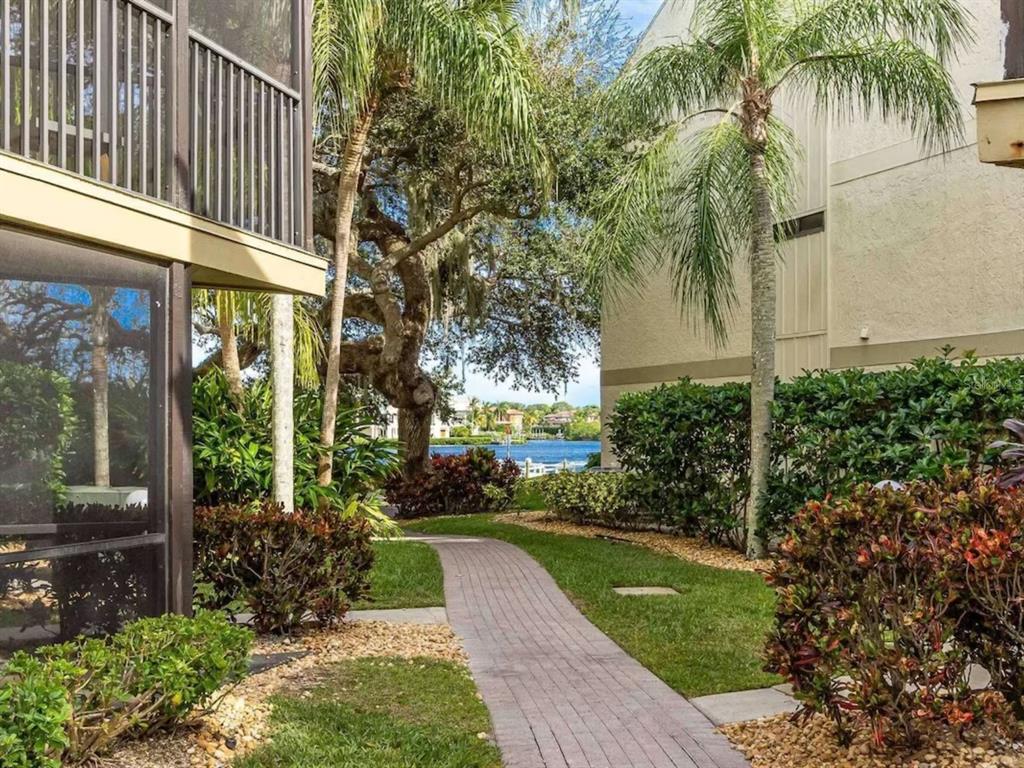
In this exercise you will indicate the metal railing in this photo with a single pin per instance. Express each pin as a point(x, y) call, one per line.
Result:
point(94, 87)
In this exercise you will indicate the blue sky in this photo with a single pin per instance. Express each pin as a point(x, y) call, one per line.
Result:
point(587, 389)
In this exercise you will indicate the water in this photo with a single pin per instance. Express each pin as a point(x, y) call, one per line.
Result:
point(548, 452)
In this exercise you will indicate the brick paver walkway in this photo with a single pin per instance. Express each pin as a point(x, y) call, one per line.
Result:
point(560, 692)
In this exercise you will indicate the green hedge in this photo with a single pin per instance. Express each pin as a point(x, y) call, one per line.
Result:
point(833, 429)
point(66, 704)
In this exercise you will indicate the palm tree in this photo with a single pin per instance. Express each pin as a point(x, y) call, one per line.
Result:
point(468, 57)
point(715, 170)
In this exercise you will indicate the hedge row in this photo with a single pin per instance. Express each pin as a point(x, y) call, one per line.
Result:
point(833, 429)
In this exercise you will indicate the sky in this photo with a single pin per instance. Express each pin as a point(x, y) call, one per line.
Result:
point(587, 389)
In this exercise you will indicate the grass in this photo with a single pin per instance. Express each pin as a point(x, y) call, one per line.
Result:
point(405, 574)
point(708, 639)
point(385, 713)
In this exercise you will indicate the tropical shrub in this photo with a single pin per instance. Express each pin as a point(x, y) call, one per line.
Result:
point(463, 484)
point(885, 598)
point(65, 704)
point(832, 430)
point(232, 457)
point(283, 568)
point(603, 498)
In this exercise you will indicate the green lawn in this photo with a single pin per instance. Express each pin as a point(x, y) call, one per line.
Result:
point(385, 713)
point(405, 574)
point(706, 640)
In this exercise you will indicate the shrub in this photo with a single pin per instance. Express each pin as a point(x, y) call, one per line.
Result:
point(34, 713)
point(603, 498)
point(886, 597)
point(280, 567)
point(832, 430)
point(232, 457)
point(67, 703)
point(467, 483)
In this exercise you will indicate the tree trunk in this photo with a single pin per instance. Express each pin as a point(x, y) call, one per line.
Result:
point(348, 190)
point(100, 331)
point(230, 360)
point(762, 348)
point(414, 434)
point(282, 361)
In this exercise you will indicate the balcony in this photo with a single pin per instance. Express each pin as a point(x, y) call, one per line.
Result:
point(199, 104)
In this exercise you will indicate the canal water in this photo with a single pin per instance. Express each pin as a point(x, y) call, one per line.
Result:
point(575, 452)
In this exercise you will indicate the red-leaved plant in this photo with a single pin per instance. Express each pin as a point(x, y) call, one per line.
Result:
point(463, 484)
point(885, 598)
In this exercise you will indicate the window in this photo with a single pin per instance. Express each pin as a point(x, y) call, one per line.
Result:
point(260, 33)
point(82, 436)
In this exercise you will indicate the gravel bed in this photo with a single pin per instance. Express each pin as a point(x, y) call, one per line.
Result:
point(683, 547)
point(239, 721)
point(782, 742)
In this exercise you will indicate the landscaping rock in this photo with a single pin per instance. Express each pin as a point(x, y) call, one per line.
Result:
point(683, 547)
point(782, 742)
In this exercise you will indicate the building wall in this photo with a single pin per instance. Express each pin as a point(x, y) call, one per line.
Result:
point(917, 252)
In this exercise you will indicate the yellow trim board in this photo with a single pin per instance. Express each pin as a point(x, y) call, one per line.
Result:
point(38, 197)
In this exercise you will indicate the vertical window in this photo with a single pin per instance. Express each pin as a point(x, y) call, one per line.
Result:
point(82, 433)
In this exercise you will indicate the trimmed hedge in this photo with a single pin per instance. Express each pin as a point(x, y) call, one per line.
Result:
point(885, 598)
point(66, 704)
point(601, 498)
point(832, 430)
point(283, 568)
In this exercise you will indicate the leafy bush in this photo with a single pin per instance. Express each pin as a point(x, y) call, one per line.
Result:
point(34, 713)
point(583, 430)
point(886, 597)
point(278, 566)
point(467, 483)
point(832, 430)
point(603, 498)
point(67, 703)
point(232, 457)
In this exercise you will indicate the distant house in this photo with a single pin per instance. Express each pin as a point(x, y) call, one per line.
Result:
point(511, 421)
point(557, 419)
point(461, 416)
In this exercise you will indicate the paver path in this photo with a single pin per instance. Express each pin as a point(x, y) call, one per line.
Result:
point(560, 692)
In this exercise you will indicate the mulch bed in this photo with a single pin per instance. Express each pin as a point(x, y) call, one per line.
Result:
point(782, 742)
point(683, 547)
point(240, 720)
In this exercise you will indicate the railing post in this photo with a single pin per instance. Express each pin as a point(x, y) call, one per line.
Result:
point(181, 109)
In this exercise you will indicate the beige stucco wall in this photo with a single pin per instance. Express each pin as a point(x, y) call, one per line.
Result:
point(917, 250)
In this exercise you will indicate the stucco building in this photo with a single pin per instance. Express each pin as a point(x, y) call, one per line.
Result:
point(895, 255)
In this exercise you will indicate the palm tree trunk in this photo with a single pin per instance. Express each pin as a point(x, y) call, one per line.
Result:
point(230, 360)
point(282, 361)
point(348, 191)
point(100, 331)
point(762, 348)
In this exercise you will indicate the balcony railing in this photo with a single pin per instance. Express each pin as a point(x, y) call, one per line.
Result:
point(95, 87)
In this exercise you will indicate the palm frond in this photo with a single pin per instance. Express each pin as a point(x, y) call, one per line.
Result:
point(708, 223)
point(345, 37)
point(897, 81)
point(621, 247)
point(670, 80)
point(940, 26)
